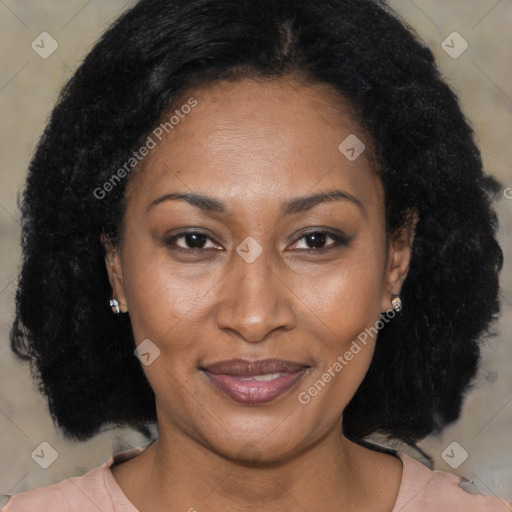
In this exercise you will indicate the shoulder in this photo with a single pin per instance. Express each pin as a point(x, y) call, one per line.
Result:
point(93, 491)
point(85, 492)
point(424, 490)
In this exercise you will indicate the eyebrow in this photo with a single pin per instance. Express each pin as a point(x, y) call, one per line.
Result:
point(289, 207)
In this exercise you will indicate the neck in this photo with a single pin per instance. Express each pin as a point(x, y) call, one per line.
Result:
point(178, 473)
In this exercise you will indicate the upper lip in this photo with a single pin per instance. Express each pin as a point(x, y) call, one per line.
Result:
point(248, 368)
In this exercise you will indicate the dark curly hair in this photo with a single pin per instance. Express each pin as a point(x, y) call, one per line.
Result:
point(424, 361)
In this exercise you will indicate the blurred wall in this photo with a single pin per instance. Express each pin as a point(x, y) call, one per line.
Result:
point(29, 85)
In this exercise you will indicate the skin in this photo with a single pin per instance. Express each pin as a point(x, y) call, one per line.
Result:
point(254, 145)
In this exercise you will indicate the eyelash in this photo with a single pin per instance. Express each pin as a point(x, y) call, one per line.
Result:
point(338, 241)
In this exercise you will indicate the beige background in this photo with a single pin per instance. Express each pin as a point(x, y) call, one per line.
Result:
point(28, 89)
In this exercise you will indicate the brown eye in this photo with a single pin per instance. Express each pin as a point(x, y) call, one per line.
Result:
point(316, 240)
point(189, 240)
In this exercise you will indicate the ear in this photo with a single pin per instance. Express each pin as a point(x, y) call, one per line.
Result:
point(114, 271)
point(399, 257)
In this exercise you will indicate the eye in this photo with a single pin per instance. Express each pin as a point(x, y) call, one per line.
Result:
point(316, 240)
point(190, 240)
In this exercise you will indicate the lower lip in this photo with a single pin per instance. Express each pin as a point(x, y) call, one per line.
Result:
point(252, 391)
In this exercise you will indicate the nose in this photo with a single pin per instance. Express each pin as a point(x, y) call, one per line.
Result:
point(255, 300)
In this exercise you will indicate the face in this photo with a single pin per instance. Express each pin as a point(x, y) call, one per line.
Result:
point(252, 270)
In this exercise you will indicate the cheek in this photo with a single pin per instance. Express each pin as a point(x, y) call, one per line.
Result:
point(161, 299)
point(347, 296)
point(171, 305)
point(344, 307)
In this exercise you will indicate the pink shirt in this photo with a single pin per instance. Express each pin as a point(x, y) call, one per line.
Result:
point(421, 490)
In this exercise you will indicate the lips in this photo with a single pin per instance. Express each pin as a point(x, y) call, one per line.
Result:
point(254, 382)
point(245, 368)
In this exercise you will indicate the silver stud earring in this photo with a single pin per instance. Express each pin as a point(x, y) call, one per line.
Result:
point(397, 303)
point(114, 304)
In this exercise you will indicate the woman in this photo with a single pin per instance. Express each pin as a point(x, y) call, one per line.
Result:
point(265, 227)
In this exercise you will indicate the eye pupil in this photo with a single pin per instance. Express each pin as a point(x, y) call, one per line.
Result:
point(317, 238)
point(197, 238)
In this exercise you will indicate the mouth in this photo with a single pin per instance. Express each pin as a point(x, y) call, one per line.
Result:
point(254, 382)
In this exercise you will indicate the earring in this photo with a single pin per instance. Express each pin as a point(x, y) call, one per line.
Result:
point(114, 304)
point(397, 303)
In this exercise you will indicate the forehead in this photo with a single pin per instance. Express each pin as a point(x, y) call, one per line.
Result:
point(251, 140)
